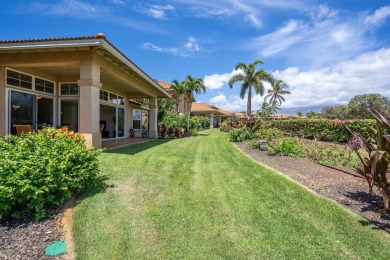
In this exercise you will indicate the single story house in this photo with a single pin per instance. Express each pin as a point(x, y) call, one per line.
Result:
point(215, 114)
point(84, 83)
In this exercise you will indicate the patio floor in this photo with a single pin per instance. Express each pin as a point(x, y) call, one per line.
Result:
point(116, 143)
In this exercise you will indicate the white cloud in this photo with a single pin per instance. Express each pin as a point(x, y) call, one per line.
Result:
point(378, 16)
point(217, 81)
point(192, 44)
point(251, 11)
point(325, 38)
point(189, 48)
point(368, 73)
point(334, 85)
point(155, 11)
point(73, 8)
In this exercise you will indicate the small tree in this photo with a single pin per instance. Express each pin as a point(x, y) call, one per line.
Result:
point(276, 95)
point(179, 89)
point(192, 85)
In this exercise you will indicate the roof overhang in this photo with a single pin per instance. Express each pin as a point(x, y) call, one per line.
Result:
point(81, 43)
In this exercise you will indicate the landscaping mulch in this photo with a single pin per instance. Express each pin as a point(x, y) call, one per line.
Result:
point(27, 239)
point(343, 185)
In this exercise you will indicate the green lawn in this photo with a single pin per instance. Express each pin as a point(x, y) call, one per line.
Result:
point(202, 198)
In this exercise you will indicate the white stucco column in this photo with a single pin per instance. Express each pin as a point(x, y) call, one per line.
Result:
point(153, 133)
point(3, 108)
point(89, 114)
point(212, 120)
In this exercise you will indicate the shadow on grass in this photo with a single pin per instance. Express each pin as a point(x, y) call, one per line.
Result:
point(137, 148)
point(99, 186)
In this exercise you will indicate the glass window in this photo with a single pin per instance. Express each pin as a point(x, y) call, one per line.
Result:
point(113, 98)
point(103, 95)
point(19, 79)
point(137, 115)
point(44, 86)
point(69, 89)
point(121, 100)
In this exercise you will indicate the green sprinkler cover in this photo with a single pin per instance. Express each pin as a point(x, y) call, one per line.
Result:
point(56, 248)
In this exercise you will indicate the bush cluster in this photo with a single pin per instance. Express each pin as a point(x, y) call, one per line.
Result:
point(39, 171)
point(174, 125)
point(288, 146)
point(240, 134)
point(325, 129)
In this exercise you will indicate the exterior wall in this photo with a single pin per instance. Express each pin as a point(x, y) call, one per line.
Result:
point(3, 103)
point(88, 79)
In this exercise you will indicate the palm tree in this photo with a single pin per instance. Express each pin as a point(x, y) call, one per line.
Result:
point(192, 85)
point(179, 89)
point(265, 110)
point(250, 77)
point(276, 94)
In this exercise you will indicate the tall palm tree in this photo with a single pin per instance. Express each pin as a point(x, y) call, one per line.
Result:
point(179, 89)
point(276, 94)
point(250, 78)
point(192, 85)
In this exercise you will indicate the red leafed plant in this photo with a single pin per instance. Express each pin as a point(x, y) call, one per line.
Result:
point(375, 166)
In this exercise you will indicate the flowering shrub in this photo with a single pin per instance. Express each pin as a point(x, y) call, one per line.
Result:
point(174, 125)
point(41, 170)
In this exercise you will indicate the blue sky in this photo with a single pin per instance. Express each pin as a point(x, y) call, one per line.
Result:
point(327, 51)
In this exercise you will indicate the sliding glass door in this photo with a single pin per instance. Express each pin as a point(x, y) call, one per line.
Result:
point(21, 110)
point(29, 109)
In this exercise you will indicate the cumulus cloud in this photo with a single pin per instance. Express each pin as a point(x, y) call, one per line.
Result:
point(189, 48)
point(192, 44)
point(378, 16)
point(334, 85)
point(217, 81)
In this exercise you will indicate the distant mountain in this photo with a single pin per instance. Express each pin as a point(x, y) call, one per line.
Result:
point(304, 110)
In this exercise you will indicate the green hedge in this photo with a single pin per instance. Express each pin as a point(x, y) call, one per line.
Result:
point(39, 171)
point(328, 130)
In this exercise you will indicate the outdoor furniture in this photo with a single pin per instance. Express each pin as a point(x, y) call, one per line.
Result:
point(20, 129)
point(131, 134)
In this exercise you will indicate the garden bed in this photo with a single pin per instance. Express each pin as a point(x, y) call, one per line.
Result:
point(27, 239)
point(349, 190)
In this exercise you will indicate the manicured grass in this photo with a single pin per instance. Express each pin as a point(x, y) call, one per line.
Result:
point(202, 198)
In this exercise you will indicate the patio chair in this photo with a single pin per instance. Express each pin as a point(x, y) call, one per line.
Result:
point(21, 129)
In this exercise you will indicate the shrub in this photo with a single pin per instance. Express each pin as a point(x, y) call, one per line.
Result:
point(269, 133)
point(329, 154)
point(194, 132)
point(224, 127)
point(329, 130)
point(254, 144)
point(198, 122)
point(288, 146)
point(240, 134)
point(41, 170)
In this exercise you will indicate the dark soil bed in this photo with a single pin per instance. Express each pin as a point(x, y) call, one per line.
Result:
point(349, 190)
point(27, 239)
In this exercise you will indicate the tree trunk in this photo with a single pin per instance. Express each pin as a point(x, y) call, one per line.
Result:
point(249, 104)
point(188, 119)
point(177, 103)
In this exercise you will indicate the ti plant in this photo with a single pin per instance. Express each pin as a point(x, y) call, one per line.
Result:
point(375, 166)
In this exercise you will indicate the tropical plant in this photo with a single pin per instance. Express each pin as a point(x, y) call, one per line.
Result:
point(275, 94)
point(192, 85)
point(179, 89)
point(375, 167)
point(164, 105)
point(265, 110)
point(288, 146)
point(250, 78)
point(240, 134)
